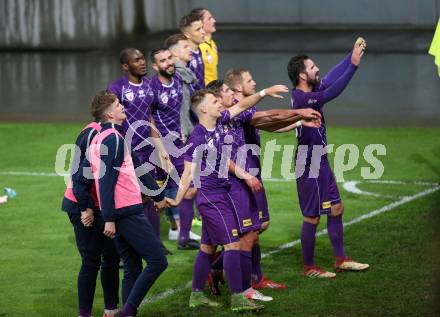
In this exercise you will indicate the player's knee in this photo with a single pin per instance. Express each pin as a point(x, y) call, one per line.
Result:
point(159, 265)
point(206, 248)
point(232, 246)
point(191, 193)
point(337, 209)
point(247, 241)
point(265, 225)
point(312, 220)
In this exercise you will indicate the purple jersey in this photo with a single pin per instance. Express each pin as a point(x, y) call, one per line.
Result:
point(235, 129)
point(166, 106)
point(136, 99)
point(252, 136)
point(206, 151)
point(197, 66)
point(327, 89)
point(165, 110)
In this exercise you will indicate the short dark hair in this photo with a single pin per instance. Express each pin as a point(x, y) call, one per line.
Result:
point(295, 67)
point(216, 86)
point(174, 39)
point(187, 20)
point(199, 11)
point(156, 51)
point(124, 55)
point(101, 102)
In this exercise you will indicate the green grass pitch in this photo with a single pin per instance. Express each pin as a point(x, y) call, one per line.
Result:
point(39, 261)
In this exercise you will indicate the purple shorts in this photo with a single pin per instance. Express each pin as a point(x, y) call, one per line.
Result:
point(262, 205)
point(245, 207)
point(317, 195)
point(219, 226)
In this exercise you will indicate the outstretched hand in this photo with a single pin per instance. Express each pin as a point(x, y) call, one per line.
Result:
point(312, 123)
point(358, 51)
point(308, 113)
point(312, 118)
point(274, 91)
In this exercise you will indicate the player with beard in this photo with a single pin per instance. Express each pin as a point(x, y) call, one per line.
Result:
point(317, 190)
point(166, 112)
point(208, 47)
point(135, 94)
point(191, 26)
point(242, 83)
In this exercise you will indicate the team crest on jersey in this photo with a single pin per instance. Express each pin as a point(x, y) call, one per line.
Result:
point(193, 63)
point(164, 97)
point(129, 94)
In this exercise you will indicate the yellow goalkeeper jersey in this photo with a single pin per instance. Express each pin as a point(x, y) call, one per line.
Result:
point(210, 60)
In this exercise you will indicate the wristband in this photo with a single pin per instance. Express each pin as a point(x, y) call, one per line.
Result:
point(262, 93)
point(299, 123)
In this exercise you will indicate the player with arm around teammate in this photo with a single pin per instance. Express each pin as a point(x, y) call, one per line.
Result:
point(213, 201)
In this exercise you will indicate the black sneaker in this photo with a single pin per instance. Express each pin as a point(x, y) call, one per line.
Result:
point(190, 245)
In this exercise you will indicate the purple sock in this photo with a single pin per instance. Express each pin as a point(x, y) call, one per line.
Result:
point(153, 216)
point(335, 230)
point(246, 268)
point(217, 264)
point(257, 274)
point(308, 233)
point(232, 268)
point(202, 266)
point(128, 310)
point(186, 212)
point(83, 312)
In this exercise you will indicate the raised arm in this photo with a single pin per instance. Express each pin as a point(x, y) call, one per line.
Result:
point(336, 71)
point(317, 99)
point(283, 120)
point(252, 100)
point(340, 68)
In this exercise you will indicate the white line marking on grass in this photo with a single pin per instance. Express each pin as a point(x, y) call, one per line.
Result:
point(368, 215)
point(391, 206)
point(351, 187)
